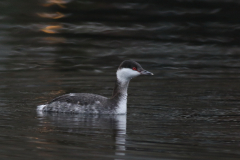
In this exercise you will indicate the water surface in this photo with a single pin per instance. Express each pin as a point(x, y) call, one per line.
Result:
point(188, 110)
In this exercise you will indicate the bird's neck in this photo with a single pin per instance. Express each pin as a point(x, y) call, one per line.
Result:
point(120, 88)
point(119, 96)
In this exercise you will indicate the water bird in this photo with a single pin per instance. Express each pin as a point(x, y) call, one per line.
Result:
point(95, 104)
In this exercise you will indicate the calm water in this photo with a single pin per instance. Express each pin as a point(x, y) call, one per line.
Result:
point(188, 110)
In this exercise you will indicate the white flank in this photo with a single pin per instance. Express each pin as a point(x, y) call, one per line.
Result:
point(71, 94)
point(40, 107)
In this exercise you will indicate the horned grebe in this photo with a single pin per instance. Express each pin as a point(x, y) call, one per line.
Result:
point(95, 104)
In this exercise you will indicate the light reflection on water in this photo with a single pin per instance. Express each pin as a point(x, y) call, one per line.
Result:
point(113, 126)
point(188, 110)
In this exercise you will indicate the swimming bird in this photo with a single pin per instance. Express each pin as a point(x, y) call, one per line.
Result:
point(95, 104)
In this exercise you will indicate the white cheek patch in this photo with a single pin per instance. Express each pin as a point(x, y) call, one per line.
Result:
point(126, 74)
point(40, 107)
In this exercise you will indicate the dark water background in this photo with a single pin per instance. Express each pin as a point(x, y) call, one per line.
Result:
point(188, 110)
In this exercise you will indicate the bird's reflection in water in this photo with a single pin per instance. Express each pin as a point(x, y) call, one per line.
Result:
point(90, 125)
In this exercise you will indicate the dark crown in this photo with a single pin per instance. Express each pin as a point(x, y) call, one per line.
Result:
point(130, 64)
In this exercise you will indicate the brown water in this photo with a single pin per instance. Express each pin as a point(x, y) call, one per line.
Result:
point(188, 110)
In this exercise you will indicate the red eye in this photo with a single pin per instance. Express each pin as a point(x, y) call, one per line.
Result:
point(134, 68)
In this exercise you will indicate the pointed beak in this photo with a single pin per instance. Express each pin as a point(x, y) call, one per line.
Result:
point(145, 72)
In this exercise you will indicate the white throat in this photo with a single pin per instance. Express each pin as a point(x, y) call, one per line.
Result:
point(124, 75)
